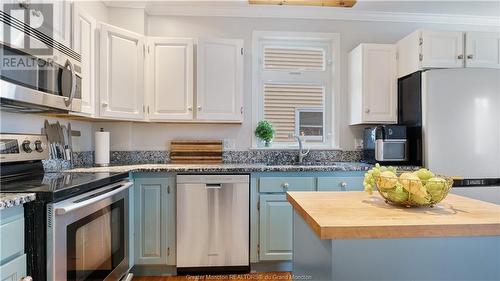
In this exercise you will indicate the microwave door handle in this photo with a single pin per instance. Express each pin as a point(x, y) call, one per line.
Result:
point(75, 206)
point(72, 92)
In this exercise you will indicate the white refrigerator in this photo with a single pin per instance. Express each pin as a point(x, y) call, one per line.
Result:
point(461, 122)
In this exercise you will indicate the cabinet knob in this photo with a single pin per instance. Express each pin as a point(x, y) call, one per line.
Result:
point(470, 57)
point(343, 186)
point(285, 185)
point(199, 107)
point(104, 103)
point(190, 108)
point(367, 110)
point(460, 57)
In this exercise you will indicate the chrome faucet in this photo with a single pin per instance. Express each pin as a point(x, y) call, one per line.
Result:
point(302, 154)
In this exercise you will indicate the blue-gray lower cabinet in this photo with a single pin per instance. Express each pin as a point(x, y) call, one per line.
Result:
point(154, 219)
point(275, 227)
point(272, 214)
point(354, 183)
point(12, 257)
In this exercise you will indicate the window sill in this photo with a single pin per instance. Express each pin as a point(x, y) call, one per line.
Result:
point(306, 147)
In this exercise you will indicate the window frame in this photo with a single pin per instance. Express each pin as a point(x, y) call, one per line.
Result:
point(297, 123)
point(332, 90)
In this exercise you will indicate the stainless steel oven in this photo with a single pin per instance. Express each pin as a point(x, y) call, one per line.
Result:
point(37, 81)
point(87, 235)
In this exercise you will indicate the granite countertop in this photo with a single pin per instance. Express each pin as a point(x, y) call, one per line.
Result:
point(9, 200)
point(234, 168)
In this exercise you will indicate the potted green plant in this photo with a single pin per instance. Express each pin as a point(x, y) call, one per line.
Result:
point(265, 132)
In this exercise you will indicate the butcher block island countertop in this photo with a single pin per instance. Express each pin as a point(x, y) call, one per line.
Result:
point(357, 215)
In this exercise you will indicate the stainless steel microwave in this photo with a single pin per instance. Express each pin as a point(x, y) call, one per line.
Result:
point(43, 78)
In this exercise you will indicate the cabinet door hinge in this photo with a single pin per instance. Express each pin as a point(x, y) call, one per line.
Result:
point(420, 57)
point(420, 41)
point(144, 109)
point(168, 251)
point(258, 206)
point(241, 110)
point(148, 109)
point(168, 189)
point(148, 49)
point(241, 51)
point(258, 249)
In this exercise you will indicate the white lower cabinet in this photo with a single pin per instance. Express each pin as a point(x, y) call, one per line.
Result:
point(121, 94)
point(219, 80)
point(169, 79)
point(154, 219)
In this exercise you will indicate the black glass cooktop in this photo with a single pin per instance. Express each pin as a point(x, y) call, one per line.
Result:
point(58, 186)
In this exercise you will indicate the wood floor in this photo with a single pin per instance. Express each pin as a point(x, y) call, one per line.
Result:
point(261, 276)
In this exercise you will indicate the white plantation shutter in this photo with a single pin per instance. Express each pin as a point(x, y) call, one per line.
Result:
point(294, 58)
point(281, 102)
point(295, 82)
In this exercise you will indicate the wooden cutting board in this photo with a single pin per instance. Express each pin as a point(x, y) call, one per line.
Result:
point(196, 152)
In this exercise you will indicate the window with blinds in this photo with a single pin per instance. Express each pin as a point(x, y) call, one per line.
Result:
point(286, 105)
point(294, 58)
point(294, 86)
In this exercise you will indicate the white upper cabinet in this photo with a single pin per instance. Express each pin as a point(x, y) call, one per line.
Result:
point(219, 80)
point(169, 79)
point(425, 49)
point(482, 49)
point(372, 84)
point(84, 28)
point(121, 74)
point(442, 49)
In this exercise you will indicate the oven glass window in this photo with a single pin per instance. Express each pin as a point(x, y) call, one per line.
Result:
point(95, 244)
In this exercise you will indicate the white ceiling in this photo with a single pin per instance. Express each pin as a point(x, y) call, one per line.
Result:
point(475, 8)
point(489, 8)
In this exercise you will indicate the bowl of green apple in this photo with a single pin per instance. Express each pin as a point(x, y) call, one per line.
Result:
point(421, 188)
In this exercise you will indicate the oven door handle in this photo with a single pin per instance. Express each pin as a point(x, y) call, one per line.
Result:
point(75, 206)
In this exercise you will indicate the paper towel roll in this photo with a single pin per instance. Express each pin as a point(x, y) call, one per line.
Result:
point(101, 156)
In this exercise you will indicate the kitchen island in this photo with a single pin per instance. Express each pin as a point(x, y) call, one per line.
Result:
point(355, 236)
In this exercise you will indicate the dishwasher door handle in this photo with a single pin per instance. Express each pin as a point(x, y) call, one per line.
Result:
point(213, 185)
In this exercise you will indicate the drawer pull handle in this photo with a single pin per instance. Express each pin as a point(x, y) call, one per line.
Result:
point(285, 185)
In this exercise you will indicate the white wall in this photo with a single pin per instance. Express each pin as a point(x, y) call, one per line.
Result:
point(140, 136)
point(132, 19)
point(156, 136)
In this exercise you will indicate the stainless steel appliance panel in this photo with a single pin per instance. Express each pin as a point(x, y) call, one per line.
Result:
point(87, 235)
point(212, 220)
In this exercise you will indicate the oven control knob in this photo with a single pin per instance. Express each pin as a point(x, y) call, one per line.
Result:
point(27, 146)
point(39, 146)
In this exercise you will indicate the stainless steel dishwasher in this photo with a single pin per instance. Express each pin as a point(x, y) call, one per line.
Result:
point(213, 223)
